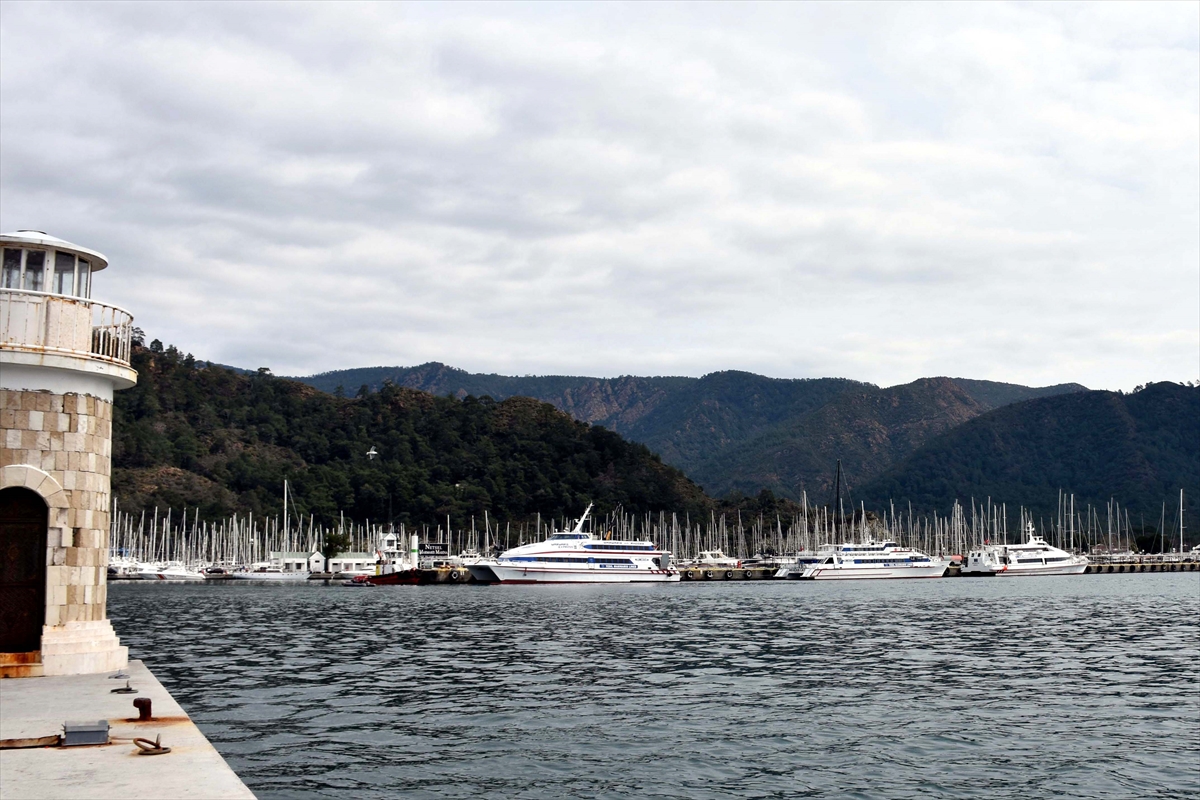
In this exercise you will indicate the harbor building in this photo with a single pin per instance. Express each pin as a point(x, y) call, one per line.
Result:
point(62, 355)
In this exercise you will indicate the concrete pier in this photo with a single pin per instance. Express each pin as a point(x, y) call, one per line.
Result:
point(727, 573)
point(34, 709)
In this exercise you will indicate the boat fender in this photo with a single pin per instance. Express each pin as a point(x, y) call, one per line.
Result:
point(749, 574)
point(728, 574)
point(708, 573)
point(454, 575)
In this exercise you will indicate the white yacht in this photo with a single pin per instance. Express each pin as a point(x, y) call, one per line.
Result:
point(715, 559)
point(170, 571)
point(872, 560)
point(577, 557)
point(266, 571)
point(1035, 557)
point(123, 568)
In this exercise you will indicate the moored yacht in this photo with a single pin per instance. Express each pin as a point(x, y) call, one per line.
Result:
point(170, 571)
point(1035, 557)
point(268, 571)
point(715, 559)
point(578, 557)
point(872, 560)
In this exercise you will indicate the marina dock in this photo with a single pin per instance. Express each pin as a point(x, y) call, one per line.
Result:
point(462, 577)
point(34, 765)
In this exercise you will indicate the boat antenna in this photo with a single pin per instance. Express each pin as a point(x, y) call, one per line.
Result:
point(579, 525)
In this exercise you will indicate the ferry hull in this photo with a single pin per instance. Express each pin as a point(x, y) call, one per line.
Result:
point(833, 572)
point(1021, 571)
point(498, 573)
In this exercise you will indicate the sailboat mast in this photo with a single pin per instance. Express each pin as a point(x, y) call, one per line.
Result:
point(284, 546)
point(837, 495)
point(1181, 522)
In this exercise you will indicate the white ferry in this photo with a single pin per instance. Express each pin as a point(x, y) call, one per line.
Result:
point(1035, 557)
point(578, 557)
point(872, 560)
point(794, 566)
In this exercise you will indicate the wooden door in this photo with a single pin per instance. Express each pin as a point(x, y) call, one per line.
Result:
point(23, 520)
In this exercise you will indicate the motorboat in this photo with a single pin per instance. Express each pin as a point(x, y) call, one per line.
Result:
point(872, 560)
point(170, 571)
point(122, 568)
point(1035, 557)
point(714, 559)
point(266, 571)
point(576, 556)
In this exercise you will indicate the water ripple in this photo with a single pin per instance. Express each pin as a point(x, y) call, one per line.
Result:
point(1037, 688)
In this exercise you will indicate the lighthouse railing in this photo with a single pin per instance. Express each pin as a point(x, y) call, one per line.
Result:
point(41, 322)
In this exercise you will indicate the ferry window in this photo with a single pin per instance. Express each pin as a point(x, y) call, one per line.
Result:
point(35, 263)
point(12, 268)
point(64, 273)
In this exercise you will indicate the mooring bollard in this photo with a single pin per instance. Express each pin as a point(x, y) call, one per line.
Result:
point(142, 704)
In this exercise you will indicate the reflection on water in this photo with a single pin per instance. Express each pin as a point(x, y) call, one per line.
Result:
point(1083, 686)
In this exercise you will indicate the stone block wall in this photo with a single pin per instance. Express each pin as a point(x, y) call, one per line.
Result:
point(67, 437)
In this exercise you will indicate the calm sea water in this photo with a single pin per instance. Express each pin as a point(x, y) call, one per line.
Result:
point(1048, 687)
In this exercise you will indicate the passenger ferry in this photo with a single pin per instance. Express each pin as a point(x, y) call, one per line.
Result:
point(1035, 557)
point(872, 560)
point(577, 557)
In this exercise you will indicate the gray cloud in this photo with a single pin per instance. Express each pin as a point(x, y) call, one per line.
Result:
point(882, 192)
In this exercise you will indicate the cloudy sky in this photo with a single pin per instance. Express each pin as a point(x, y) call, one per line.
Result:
point(876, 191)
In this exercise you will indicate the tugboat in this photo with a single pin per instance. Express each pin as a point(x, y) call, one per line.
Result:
point(394, 567)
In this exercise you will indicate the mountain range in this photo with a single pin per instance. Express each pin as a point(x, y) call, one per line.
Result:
point(737, 432)
point(195, 434)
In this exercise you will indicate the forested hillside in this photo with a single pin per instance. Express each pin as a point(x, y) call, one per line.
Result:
point(204, 436)
point(198, 435)
point(1139, 448)
point(737, 431)
point(685, 420)
point(868, 429)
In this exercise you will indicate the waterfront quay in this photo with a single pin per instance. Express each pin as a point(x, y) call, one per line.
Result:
point(462, 577)
point(34, 764)
point(1105, 568)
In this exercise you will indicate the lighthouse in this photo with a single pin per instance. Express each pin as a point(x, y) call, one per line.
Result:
point(62, 356)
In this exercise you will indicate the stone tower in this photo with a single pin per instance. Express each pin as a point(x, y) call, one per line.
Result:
point(62, 355)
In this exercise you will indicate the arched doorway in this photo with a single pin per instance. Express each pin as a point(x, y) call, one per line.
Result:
point(23, 521)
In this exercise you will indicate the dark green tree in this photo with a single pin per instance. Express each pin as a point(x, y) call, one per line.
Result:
point(334, 544)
